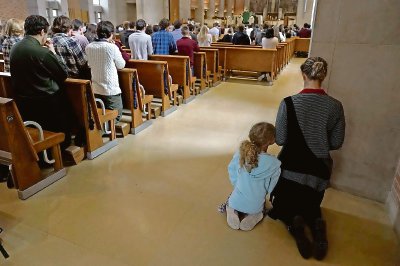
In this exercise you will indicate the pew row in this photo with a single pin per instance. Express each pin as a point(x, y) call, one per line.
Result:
point(91, 118)
point(250, 59)
point(179, 69)
point(302, 45)
point(213, 66)
point(19, 148)
point(133, 101)
point(154, 76)
point(200, 71)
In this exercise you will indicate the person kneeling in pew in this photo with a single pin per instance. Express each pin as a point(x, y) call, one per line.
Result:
point(105, 59)
point(38, 76)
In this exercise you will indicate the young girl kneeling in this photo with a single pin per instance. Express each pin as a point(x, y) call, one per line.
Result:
point(253, 174)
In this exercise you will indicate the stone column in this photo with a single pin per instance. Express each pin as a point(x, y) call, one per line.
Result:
point(221, 8)
point(229, 8)
point(247, 5)
point(265, 13)
point(211, 9)
point(199, 14)
point(184, 9)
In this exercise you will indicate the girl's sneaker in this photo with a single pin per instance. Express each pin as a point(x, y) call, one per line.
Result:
point(232, 217)
point(250, 221)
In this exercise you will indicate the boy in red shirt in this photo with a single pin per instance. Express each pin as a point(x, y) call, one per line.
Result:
point(186, 46)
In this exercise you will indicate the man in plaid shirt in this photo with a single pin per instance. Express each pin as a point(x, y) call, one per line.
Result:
point(163, 41)
point(69, 49)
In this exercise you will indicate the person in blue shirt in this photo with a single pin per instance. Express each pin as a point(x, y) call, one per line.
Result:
point(177, 32)
point(253, 174)
point(163, 41)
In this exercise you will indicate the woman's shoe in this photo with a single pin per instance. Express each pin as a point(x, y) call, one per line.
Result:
point(320, 239)
point(302, 242)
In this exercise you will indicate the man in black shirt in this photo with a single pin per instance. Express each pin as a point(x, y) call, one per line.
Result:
point(241, 38)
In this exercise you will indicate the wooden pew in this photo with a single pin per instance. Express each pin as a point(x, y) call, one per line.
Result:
point(5, 85)
point(2, 66)
point(154, 78)
point(19, 148)
point(82, 98)
point(179, 69)
point(213, 63)
point(250, 59)
point(302, 45)
point(90, 117)
point(133, 101)
point(1, 56)
point(200, 71)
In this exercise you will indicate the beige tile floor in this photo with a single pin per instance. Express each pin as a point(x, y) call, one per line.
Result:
point(152, 200)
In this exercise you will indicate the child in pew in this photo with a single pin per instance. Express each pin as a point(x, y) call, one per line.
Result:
point(253, 174)
point(105, 59)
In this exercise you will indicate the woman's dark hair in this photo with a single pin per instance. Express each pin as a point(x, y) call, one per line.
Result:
point(35, 24)
point(315, 68)
point(269, 33)
point(104, 29)
point(149, 30)
point(156, 28)
point(61, 24)
point(191, 27)
point(288, 33)
point(132, 24)
point(164, 23)
point(241, 28)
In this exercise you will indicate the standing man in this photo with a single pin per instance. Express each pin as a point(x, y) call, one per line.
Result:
point(77, 33)
point(68, 48)
point(140, 43)
point(186, 46)
point(37, 75)
point(177, 33)
point(214, 31)
point(163, 41)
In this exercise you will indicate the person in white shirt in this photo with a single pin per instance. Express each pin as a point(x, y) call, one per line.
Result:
point(269, 41)
point(104, 59)
point(214, 31)
point(140, 43)
point(204, 38)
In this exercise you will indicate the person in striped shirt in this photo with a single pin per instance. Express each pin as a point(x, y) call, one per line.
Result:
point(308, 126)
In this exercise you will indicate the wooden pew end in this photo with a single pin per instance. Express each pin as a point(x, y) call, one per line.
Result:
point(122, 129)
point(74, 154)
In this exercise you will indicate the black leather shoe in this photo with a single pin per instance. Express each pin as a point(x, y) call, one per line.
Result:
point(320, 239)
point(302, 242)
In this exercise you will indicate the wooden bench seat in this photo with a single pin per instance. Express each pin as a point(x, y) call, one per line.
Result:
point(19, 148)
point(200, 71)
point(83, 102)
point(153, 76)
point(81, 96)
point(133, 112)
point(5, 85)
point(302, 45)
point(213, 63)
point(179, 69)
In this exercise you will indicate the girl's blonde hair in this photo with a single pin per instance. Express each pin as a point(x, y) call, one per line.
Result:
point(260, 135)
point(14, 27)
point(203, 34)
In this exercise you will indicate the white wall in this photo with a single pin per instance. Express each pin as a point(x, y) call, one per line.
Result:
point(360, 41)
point(152, 10)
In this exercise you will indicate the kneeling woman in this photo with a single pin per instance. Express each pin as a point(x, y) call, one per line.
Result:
point(308, 125)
